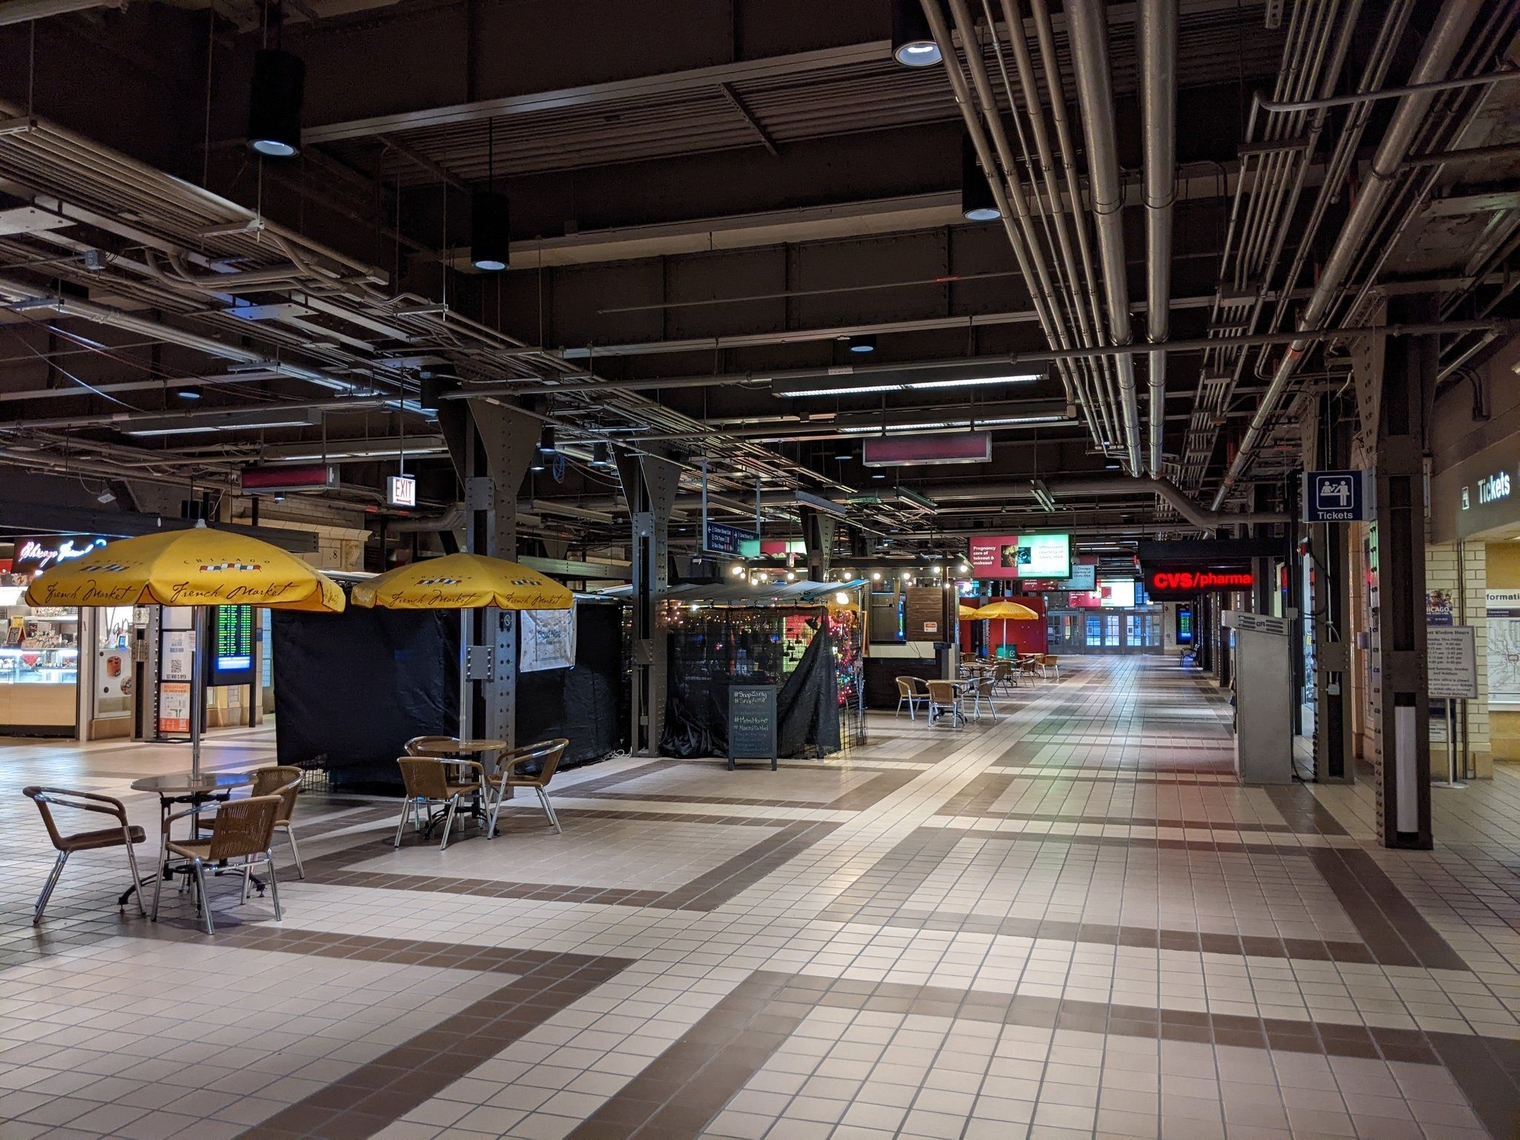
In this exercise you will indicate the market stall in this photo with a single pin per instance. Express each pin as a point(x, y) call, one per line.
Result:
point(806, 639)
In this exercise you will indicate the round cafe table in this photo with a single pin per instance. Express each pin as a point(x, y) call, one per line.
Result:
point(455, 748)
point(183, 788)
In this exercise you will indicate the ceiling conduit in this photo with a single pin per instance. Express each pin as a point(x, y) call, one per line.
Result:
point(1158, 110)
point(1088, 28)
point(1008, 194)
point(1441, 47)
point(1196, 516)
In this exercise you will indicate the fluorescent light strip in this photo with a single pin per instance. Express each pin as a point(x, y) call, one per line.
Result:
point(859, 390)
point(189, 429)
point(911, 385)
point(998, 421)
point(972, 381)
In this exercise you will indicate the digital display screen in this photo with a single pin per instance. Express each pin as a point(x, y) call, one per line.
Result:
point(1021, 556)
point(1118, 593)
point(232, 646)
point(1184, 625)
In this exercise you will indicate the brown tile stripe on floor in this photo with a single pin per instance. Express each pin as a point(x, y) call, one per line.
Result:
point(1392, 926)
point(866, 795)
point(1142, 937)
point(978, 797)
point(1303, 811)
point(375, 1095)
point(1137, 843)
point(705, 892)
point(1489, 1075)
point(879, 896)
point(686, 1086)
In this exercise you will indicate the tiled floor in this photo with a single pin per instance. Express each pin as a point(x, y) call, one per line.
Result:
point(1069, 923)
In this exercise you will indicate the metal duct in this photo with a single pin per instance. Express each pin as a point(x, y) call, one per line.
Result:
point(1441, 47)
point(1158, 111)
point(24, 11)
point(1088, 28)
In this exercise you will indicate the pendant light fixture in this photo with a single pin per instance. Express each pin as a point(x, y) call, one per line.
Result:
point(912, 41)
point(274, 112)
point(490, 218)
point(977, 202)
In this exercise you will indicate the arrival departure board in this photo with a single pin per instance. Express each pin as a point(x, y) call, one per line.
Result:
point(231, 657)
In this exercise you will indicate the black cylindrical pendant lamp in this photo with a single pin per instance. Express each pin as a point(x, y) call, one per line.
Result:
point(977, 201)
point(274, 112)
point(490, 239)
point(912, 40)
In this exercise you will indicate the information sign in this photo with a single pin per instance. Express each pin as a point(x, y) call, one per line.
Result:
point(1021, 556)
point(174, 658)
point(724, 539)
point(1451, 656)
point(174, 707)
point(230, 661)
point(752, 723)
point(1334, 496)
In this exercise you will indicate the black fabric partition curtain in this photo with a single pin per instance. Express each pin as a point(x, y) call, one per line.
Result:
point(581, 704)
point(351, 689)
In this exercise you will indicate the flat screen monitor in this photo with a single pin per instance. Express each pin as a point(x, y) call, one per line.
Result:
point(1021, 556)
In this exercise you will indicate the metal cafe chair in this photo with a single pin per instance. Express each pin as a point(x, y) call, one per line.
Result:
point(979, 689)
point(945, 697)
point(426, 779)
point(548, 753)
point(241, 829)
point(284, 781)
point(910, 696)
point(123, 834)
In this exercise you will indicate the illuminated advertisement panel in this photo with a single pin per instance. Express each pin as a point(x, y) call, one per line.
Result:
point(1181, 582)
point(1021, 556)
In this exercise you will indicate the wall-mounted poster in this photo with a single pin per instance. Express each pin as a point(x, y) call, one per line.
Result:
point(1503, 610)
point(174, 707)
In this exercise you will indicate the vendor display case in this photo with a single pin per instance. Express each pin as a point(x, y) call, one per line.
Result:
point(39, 671)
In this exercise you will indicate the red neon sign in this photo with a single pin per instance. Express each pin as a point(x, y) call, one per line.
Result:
point(1199, 581)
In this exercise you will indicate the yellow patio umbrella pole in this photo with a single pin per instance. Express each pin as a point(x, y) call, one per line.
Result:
point(1005, 610)
point(463, 581)
point(197, 567)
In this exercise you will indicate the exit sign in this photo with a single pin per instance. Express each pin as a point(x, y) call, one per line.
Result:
point(401, 491)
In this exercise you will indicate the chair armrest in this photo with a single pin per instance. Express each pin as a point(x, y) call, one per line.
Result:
point(98, 803)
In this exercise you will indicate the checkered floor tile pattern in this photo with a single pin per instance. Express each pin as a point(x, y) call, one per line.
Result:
point(1071, 921)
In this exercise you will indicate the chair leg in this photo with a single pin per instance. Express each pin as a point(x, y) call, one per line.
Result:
point(247, 882)
point(137, 879)
point(448, 823)
point(200, 878)
point(409, 806)
point(47, 889)
point(495, 805)
point(543, 798)
point(295, 850)
point(274, 885)
point(158, 883)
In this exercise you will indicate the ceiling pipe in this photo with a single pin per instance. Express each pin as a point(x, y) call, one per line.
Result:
point(1086, 22)
point(25, 11)
point(1158, 110)
point(1441, 46)
point(1001, 187)
point(1196, 515)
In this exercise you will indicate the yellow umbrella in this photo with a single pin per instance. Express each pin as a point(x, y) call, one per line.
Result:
point(1007, 610)
point(196, 567)
point(463, 582)
point(967, 613)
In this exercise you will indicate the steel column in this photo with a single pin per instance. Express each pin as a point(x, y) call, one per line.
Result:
point(1396, 566)
point(501, 448)
point(650, 483)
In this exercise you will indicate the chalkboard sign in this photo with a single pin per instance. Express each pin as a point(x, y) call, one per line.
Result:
point(752, 723)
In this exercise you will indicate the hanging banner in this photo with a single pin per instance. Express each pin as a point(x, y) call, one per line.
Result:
point(547, 640)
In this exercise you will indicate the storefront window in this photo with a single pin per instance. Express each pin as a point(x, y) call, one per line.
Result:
point(113, 661)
